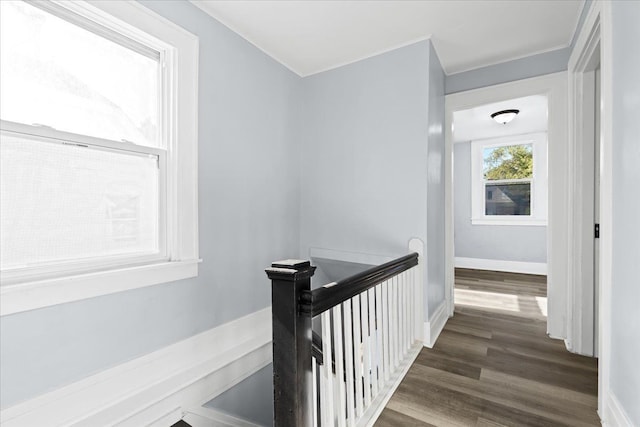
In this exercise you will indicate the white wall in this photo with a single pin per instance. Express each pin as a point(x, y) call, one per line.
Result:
point(625, 297)
point(524, 243)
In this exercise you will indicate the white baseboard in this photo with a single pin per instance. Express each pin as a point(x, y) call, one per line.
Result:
point(614, 413)
point(207, 417)
point(500, 265)
point(157, 388)
point(434, 326)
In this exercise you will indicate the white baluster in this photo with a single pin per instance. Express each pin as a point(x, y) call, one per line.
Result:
point(414, 296)
point(314, 390)
point(348, 357)
point(379, 354)
point(373, 345)
point(340, 403)
point(385, 330)
point(397, 322)
point(405, 317)
point(400, 318)
point(366, 352)
point(357, 354)
point(407, 325)
point(327, 372)
point(410, 307)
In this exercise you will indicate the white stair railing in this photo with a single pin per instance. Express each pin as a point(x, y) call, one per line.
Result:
point(371, 334)
point(371, 339)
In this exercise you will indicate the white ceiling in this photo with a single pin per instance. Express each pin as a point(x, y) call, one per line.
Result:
point(310, 36)
point(476, 123)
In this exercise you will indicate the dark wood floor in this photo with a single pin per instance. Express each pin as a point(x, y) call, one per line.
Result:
point(493, 364)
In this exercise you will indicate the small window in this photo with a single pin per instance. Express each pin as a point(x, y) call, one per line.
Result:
point(509, 180)
point(90, 172)
point(508, 172)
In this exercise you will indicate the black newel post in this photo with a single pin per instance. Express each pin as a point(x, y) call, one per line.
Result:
point(292, 380)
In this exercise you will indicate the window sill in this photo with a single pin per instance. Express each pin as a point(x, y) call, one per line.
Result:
point(509, 221)
point(44, 293)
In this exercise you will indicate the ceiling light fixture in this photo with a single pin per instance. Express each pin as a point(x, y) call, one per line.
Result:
point(504, 116)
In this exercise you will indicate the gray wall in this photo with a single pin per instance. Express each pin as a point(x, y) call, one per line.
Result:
point(249, 206)
point(251, 399)
point(518, 69)
point(625, 315)
point(498, 242)
point(364, 167)
point(435, 187)
point(523, 68)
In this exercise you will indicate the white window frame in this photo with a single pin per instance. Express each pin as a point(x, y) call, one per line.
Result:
point(538, 181)
point(179, 183)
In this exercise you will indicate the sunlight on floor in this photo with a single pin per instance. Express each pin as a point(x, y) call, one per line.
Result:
point(542, 305)
point(527, 305)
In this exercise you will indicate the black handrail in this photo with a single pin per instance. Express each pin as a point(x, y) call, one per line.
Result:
point(294, 342)
point(322, 299)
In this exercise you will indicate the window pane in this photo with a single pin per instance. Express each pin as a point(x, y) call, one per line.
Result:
point(508, 199)
point(63, 202)
point(60, 75)
point(508, 162)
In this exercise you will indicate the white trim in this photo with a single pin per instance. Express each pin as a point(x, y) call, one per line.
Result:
point(181, 52)
point(159, 386)
point(614, 413)
point(538, 181)
point(507, 60)
point(347, 256)
point(598, 20)
point(504, 220)
point(207, 417)
point(417, 245)
point(502, 265)
point(49, 134)
point(370, 417)
point(581, 280)
point(30, 296)
point(606, 200)
point(434, 326)
point(211, 11)
point(370, 55)
point(554, 86)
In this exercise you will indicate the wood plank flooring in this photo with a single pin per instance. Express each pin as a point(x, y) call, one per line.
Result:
point(493, 364)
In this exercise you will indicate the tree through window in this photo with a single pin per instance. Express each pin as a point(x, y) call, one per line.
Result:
point(508, 172)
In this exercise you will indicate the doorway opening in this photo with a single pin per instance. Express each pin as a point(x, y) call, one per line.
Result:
point(551, 88)
point(582, 335)
point(500, 207)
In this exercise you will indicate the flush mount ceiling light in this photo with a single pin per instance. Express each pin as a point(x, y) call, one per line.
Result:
point(504, 116)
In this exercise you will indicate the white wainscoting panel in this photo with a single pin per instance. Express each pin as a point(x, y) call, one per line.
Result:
point(500, 265)
point(434, 326)
point(156, 389)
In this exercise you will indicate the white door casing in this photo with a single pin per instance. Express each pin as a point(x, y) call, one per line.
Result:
point(554, 86)
point(594, 40)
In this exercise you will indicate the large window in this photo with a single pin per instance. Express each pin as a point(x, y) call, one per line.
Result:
point(91, 177)
point(509, 178)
